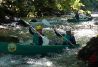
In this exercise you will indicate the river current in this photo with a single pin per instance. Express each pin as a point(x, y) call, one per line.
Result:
point(82, 31)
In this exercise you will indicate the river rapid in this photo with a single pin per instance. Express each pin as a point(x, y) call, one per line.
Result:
point(82, 31)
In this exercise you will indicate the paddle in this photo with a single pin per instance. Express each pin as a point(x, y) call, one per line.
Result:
point(45, 22)
point(44, 38)
point(59, 35)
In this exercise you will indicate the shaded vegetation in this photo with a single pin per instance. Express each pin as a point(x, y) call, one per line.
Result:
point(90, 4)
point(36, 8)
point(24, 8)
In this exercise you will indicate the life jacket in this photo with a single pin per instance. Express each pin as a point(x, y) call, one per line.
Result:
point(69, 38)
point(37, 40)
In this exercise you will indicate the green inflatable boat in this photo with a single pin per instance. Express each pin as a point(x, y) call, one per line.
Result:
point(28, 49)
point(80, 20)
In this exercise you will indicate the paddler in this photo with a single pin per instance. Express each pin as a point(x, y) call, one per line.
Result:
point(68, 37)
point(38, 37)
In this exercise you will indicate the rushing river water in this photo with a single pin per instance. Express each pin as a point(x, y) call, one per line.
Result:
point(82, 31)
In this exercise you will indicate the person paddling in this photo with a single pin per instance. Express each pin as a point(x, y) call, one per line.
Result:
point(77, 15)
point(38, 37)
point(68, 38)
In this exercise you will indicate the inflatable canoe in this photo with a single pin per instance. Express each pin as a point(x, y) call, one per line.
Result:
point(80, 20)
point(28, 49)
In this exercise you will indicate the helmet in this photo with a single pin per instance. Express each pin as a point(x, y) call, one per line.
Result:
point(39, 27)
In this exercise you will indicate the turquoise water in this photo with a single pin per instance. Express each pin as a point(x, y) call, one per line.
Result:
point(67, 59)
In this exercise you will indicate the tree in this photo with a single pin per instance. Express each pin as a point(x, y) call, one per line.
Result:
point(18, 8)
point(69, 5)
point(39, 8)
point(90, 4)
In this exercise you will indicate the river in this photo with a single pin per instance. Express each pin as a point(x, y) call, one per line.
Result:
point(83, 32)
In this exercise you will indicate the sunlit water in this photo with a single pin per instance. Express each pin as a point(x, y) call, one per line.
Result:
point(82, 31)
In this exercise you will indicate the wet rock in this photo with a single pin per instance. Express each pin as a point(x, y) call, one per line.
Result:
point(22, 23)
point(9, 39)
point(96, 22)
point(33, 20)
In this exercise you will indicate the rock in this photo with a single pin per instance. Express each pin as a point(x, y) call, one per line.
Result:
point(9, 39)
point(22, 23)
point(33, 20)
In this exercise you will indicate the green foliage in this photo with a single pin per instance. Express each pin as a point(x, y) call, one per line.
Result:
point(75, 4)
point(18, 8)
point(39, 8)
point(65, 4)
point(69, 5)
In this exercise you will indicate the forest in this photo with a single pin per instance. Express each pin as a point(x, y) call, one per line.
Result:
point(40, 8)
